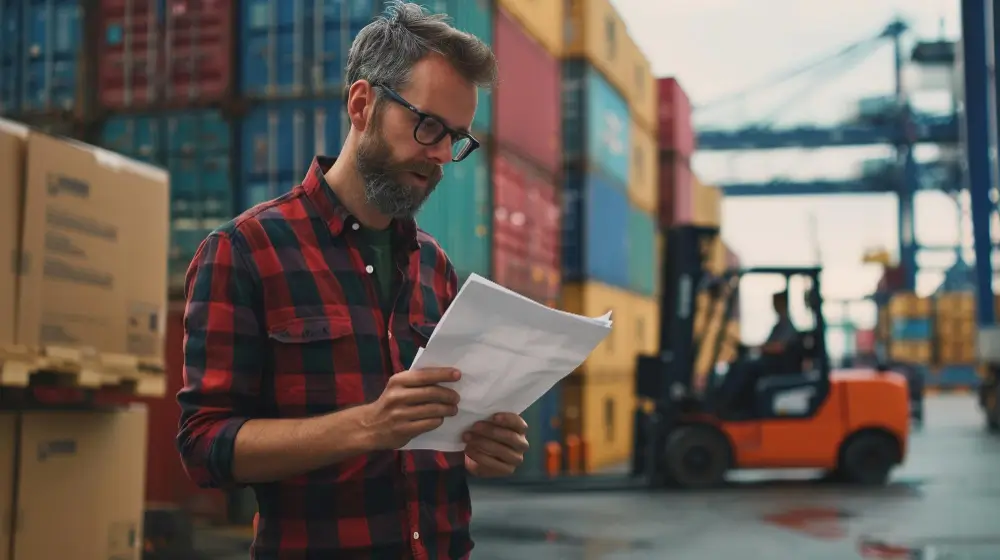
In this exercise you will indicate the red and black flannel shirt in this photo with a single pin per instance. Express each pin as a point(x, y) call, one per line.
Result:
point(283, 321)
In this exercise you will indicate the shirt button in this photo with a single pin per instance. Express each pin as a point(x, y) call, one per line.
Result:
point(355, 226)
point(416, 536)
point(369, 269)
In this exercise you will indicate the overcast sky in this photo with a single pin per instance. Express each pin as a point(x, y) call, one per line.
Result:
point(717, 47)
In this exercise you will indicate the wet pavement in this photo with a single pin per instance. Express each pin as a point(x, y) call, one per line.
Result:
point(942, 504)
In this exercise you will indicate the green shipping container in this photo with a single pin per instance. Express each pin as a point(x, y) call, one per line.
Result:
point(475, 17)
point(459, 214)
point(642, 259)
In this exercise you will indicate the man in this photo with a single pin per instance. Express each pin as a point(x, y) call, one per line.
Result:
point(304, 313)
point(783, 333)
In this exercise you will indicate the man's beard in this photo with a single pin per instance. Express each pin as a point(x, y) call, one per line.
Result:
point(382, 177)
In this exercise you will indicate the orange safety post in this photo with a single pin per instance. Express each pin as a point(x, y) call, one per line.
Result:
point(553, 458)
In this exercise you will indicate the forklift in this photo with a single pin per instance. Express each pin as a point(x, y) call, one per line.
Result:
point(749, 413)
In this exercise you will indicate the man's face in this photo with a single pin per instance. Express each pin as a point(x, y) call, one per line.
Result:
point(398, 172)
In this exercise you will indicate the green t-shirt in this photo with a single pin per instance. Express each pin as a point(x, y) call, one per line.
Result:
point(379, 255)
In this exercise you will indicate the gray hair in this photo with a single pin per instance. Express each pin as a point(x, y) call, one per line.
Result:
point(386, 49)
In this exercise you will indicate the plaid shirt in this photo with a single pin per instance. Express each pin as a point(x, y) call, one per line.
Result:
point(283, 321)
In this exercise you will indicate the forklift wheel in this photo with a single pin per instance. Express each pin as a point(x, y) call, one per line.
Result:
point(696, 457)
point(867, 458)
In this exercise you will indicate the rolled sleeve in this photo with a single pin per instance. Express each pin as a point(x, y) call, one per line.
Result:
point(222, 358)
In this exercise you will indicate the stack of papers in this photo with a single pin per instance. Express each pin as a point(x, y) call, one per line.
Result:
point(511, 351)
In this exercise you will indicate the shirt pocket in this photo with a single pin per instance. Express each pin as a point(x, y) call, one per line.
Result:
point(420, 333)
point(316, 364)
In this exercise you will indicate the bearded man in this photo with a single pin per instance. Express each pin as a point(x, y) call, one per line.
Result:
point(304, 313)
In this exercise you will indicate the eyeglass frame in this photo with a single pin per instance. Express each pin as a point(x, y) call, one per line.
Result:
point(445, 129)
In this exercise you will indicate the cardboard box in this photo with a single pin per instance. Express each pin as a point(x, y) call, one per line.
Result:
point(12, 145)
point(74, 485)
point(93, 250)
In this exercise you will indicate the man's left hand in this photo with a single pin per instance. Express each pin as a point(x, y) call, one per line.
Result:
point(496, 447)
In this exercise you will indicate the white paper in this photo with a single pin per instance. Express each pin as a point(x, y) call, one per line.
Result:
point(511, 351)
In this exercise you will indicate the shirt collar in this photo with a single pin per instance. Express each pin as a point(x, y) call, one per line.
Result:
point(336, 215)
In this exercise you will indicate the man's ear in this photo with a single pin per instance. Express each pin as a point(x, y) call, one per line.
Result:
point(360, 104)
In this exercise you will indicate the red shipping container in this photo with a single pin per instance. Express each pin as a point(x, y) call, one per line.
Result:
point(528, 98)
point(676, 199)
point(676, 132)
point(864, 341)
point(183, 60)
point(526, 228)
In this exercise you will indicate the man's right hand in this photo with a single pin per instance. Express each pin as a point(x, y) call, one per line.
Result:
point(412, 403)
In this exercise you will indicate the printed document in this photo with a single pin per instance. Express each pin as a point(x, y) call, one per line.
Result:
point(511, 351)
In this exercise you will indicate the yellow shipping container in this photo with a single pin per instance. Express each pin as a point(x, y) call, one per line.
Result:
point(596, 32)
point(707, 204)
point(916, 351)
point(543, 20)
point(643, 188)
point(616, 354)
point(601, 412)
point(646, 324)
point(908, 304)
point(642, 94)
point(956, 305)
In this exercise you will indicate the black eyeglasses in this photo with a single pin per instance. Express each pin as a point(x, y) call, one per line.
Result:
point(430, 130)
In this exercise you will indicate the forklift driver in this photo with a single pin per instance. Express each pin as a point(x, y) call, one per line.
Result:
point(780, 351)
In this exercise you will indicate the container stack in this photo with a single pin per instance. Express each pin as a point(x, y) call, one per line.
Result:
point(910, 328)
point(954, 333)
point(610, 259)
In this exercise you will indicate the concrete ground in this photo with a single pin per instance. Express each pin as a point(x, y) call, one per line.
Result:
point(943, 503)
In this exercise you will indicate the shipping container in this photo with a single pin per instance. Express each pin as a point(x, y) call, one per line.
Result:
point(643, 183)
point(544, 419)
point(596, 127)
point(164, 53)
point(646, 317)
point(642, 94)
point(676, 199)
point(477, 18)
point(528, 98)
point(706, 205)
point(643, 262)
point(43, 58)
point(864, 342)
point(542, 20)
point(907, 328)
point(526, 228)
point(615, 355)
point(297, 49)
point(279, 140)
point(600, 411)
point(675, 128)
point(459, 214)
point(595, 230)
point(595, 31)
point(909, 304)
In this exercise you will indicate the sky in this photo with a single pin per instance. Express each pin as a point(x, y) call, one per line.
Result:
point(719, 47)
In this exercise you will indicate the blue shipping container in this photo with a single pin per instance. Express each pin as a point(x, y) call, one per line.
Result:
point(643, 262)
point(40, 44)
point(955, 377)
point(293, 49)
point(595, 230)
point(279, 140)
point(597, 129)
point(904, 328)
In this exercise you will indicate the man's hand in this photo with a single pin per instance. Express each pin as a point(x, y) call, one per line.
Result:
point(411, 404)
point(496, 447)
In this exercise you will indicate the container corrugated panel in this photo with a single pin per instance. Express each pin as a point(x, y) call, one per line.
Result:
point(544, 419)
point(643, 93)
point(643, 186)
point(475, 17)
point(459, 213)
point(294, 49)
point(279, 140)
point(596, 124)
point(198, 51)
point(675, 128)
point(595, 230)
point(41, 46)
point(541, 20)
point(676, 202)
point(615, 355)
point(545, 230)
point(596, 32)
point(646, 314)
point(601, 412)
point(912, 329)
point(130, 53)
point(642, 258)
point(529, 98)
point(707, 204)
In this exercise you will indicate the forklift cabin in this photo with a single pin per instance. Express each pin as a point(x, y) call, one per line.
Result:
point(755, 412)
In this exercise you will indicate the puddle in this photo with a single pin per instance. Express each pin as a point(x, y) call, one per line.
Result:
point(516, 534)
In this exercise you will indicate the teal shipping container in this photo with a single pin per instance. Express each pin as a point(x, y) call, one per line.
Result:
point(475, 17)
point(459, 214)
point(597, 129)
point(195, 147)
point(642, 258)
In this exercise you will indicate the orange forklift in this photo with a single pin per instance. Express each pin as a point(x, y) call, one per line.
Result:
point(767, 411)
